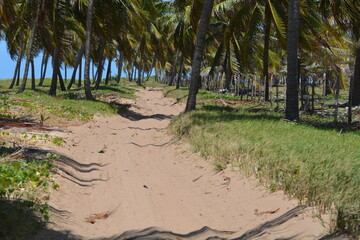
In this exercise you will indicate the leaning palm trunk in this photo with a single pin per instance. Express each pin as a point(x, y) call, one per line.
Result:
point(198, 54)
point(100, 67)
point(17, 68)
point(108, 72)
point(292, 103)
point(32, 75)
point(78, 60)
point(90, 11)
point(29, 50)
point(43, 72)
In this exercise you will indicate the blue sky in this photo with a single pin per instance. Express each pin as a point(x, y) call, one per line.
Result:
point(7, 66)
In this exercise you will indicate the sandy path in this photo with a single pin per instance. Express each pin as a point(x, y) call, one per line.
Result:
point(146, 180)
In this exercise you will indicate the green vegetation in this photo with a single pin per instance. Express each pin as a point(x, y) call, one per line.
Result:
point(24, 191)
point(69, 105)
point(319, 166)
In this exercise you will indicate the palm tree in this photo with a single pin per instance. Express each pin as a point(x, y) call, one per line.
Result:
point(292, 103)
point(87, 87)
point(198, 54)
point(29, 53)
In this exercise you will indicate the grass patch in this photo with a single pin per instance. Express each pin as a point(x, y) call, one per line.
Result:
point(24, 191)
point(69, 105)
point(151, 83)
point(321, 167)
point(203, 95)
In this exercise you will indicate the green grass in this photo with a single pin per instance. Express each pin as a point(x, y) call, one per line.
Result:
point(319, 166)
point(203, 95)
point(151, 83)
point(70, 105)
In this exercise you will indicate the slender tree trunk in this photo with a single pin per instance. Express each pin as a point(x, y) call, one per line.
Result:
point(29, 50)
point(132, 74)
point(32, 75)
point(180, 72)
point(323, 97)
point(43, 73)
point(65, 72)
point(61, 81)
point(56, 63)
point(139, 77)
point(327, 83)
point(80, 74)
point(350, 103)
point(90, 11)
point(77, 64)
point(198, 54)
point(337, 91)
point(93, 72)
point(18, 65)
point(108, 72)
point(356, 90)
point(42, 65)
point(313, 95)
point(100, 71)
point(120, 65)
point(18, 77)
point(292, 103)
point(228, 73)
point(266, 50)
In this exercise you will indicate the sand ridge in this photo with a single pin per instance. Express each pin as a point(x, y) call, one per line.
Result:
point(137, 182)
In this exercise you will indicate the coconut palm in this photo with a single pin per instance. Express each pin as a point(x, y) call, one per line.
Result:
point(292, 103)
point(198, 54)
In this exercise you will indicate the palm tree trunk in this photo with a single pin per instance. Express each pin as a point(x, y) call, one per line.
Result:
point(65, 72)
point(90, 11)
point(337, 91)
point(139, 77)
point(228, 73)
point(61, 81)
point(42, 65)
point(356, 78)
point(180, 72)
point(198, 54)
point(108, 72)
point(17, 68)
point(266, 50)
point(350, 103)
point(80, 73)
point(100, 68)
point(292, 103)
point(32, 75)
point(56, 61)
point(18, 77)
point(29, 50)
point(43, 72)
point(120, 65)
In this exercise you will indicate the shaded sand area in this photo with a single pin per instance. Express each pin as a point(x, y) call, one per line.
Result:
point(128, 179)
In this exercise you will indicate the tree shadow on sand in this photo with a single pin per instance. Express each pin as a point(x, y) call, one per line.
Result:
point(207, 233)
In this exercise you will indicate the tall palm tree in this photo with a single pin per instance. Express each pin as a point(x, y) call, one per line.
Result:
point(29, 52)
point(89, 19)
point(292, 102)
point(198, 54)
